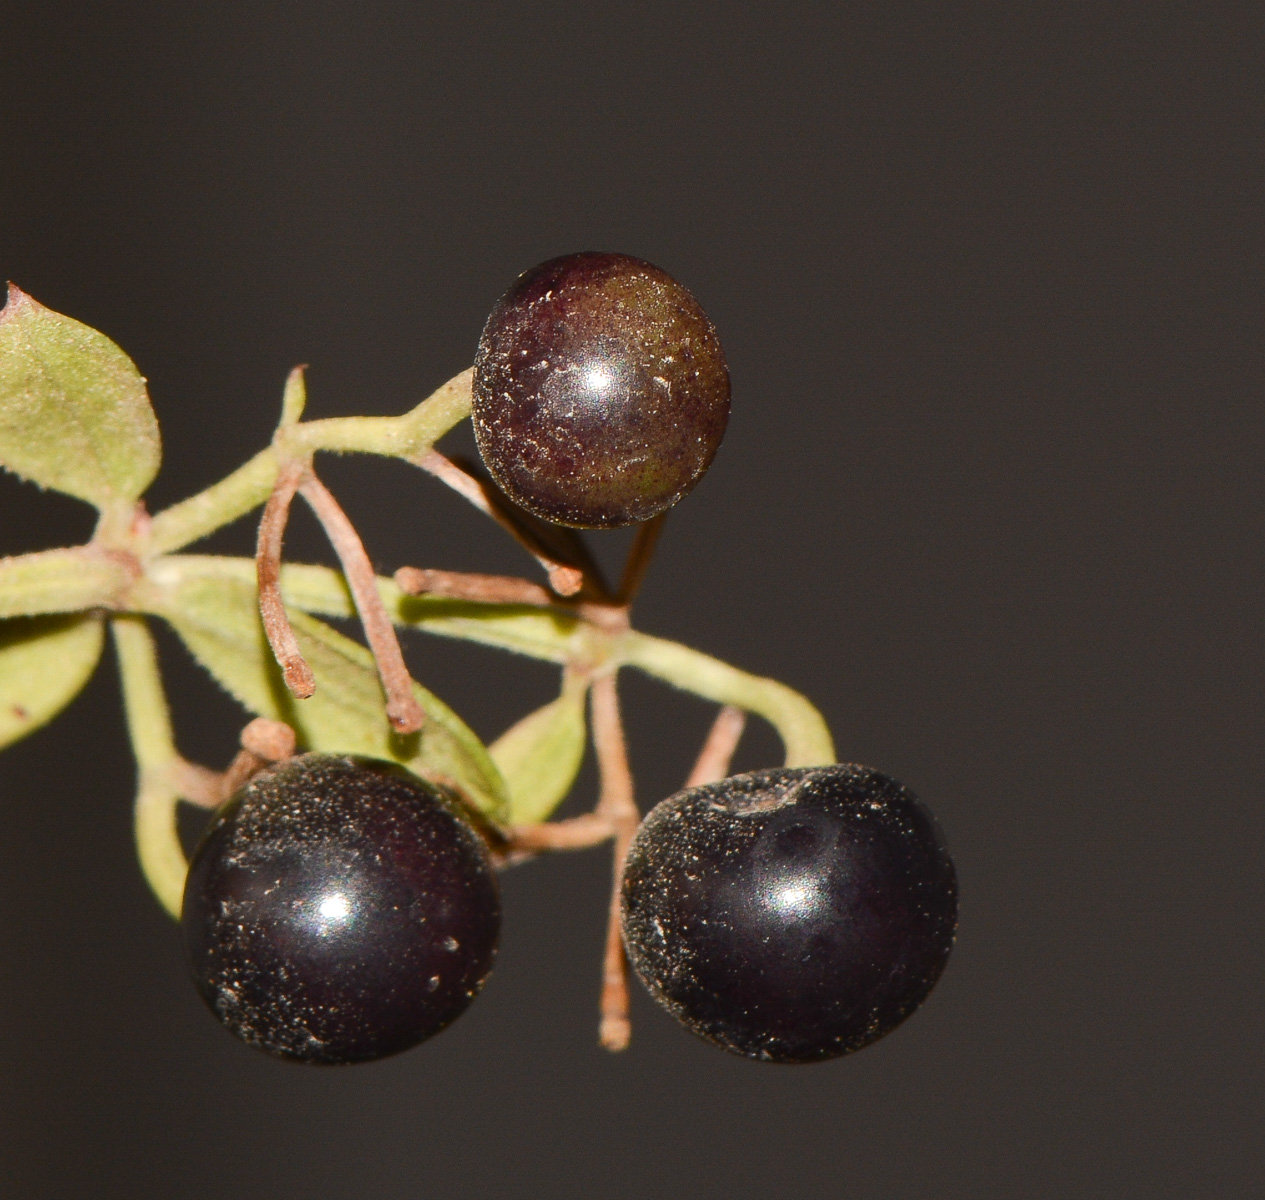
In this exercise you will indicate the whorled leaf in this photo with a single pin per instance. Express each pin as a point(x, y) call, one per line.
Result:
point(74, 412)
point(44, 662)
point(218, 620)
point(540, 756)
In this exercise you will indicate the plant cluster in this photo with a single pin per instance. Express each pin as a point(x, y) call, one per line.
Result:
point(342, 903)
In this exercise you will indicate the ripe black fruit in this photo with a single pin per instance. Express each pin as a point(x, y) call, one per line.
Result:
point(601, 392)
point(339, 910)
point(790, 915)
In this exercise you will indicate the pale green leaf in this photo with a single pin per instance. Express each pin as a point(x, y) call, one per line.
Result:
point(540, 633)
point(540, 756)
point(536, 632)
point(74, 412)
point(62, 580)
point(217, 617)
point(44, 662)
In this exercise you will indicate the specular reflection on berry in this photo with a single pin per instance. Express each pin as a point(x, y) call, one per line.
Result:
point(790, 915)
point(342, 909)
point(798, 898)
point(339, 910)
point(601, 393)
point(333, 910)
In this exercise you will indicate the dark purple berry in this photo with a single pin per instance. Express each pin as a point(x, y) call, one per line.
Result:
point(601, 392)
point(790, 915)
point(339, 910)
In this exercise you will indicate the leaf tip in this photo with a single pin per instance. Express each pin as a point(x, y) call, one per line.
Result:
point(294, 398)
point(16, 300)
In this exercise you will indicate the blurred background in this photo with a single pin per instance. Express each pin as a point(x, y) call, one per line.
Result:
point(988, 277)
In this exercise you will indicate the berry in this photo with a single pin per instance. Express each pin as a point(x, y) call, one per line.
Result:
point(339, 910)
point(790, 915)
point(601, 392)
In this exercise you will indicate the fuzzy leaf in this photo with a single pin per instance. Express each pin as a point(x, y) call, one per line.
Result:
point(44, 662)
point(61, 580)
point(74, 412)
point(536, 632)
point(217, 617)
point(540, 756)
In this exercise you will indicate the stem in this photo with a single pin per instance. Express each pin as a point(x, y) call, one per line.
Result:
point(565, 579)
point(263, 741)
point(802, 728)
point(618, 805)
point(272, 610)
point(639, 558)
point(269, 740)
point(403, 709)
point(575, 833)
point(718, 750)
point(407, 437)
point(199, 785)
point(466, 585)
point(222, 503)
point(550, 635)
point(149, 727)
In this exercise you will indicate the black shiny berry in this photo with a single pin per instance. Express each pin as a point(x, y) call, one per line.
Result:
point(790, 915)
point(339, 910)
point(601, 393)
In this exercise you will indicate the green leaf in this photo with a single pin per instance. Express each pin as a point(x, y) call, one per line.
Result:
point(535, 632)
point(540, 756)
point(217, 617)
point(44, 662)
point(62, 580)
point(74, 412)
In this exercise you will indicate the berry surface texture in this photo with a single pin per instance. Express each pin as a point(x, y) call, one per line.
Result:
point(790, 915)
point(339, 910)
point(601, 392)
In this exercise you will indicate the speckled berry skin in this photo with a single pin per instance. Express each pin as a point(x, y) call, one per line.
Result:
point(790, 915)
point(339, 910)
point(601, 393)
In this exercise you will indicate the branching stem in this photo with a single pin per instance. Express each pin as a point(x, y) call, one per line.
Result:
point(565, 579)
point(407, 437)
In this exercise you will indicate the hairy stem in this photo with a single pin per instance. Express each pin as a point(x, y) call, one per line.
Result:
point(802, 728)
point(551, 635)
point(403, 709)
point(149, 727)
point(616, 804)
point(565, 579)
point(406, 437)
point(272, 610)
point(466, 585)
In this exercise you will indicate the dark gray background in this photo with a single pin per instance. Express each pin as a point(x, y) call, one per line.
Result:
point(988, 277)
